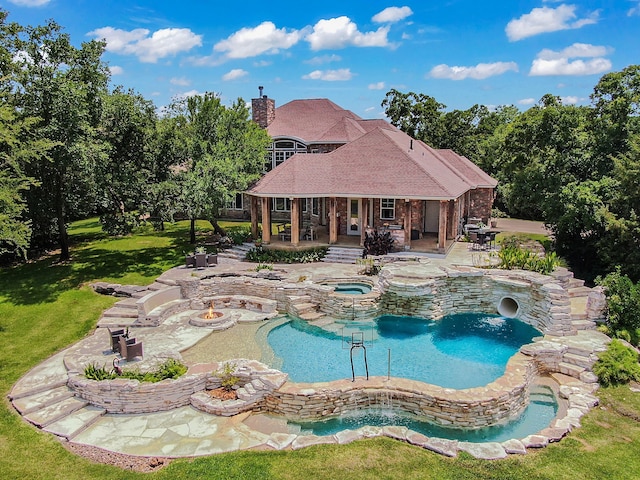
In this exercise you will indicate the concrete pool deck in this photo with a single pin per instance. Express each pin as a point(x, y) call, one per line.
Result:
point(44, 398)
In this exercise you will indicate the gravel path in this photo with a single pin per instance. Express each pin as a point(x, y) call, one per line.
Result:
point(120, 460)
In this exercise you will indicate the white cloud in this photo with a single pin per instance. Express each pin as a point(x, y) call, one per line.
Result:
point(322, 59)
point(30, 3)
point(545, 19)
point(189, 93)
point(392, 14)
point(376, 86)
point(162, 43)
point(182, 81)
point(234, 74)
point(330, 75)
point(251, 42)
point(634, 10)
point(527, 101)
point(341, 32)
point(570, 100)
point(479, 72)
point(562, 66)
point(262, 63)
point(575, 50)
point(116, 70)
point(550, 62)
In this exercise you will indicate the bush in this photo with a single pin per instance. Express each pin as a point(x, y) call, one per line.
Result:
point(617, 365)
point(623, 306)
point(227, 376)
point(513, 257)
point(171, 368)
point(265, 256)
point(239, 234)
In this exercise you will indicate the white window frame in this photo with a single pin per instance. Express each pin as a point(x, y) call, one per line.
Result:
point(315, 206)
point(386, 209)
point(281, 204)
point(233, 204)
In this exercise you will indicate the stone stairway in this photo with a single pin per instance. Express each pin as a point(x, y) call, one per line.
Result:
point(237, 253)
point(44, 400)
point(578, 361)
point(301, 306)
point(343, 255)
point(578, 296)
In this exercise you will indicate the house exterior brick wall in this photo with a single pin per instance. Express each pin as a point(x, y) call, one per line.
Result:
point(480, 203)
point(263, 110)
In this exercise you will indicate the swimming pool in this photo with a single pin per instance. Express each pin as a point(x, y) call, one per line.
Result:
point(459, 351)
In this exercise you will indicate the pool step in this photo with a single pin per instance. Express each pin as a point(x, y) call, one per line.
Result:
point(302, 308)
point(312, 316)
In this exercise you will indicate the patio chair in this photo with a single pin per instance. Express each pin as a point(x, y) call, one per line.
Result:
point(201, 260)
point(115, 337)
point(477, 239)
point(212, 259)
point(129, 349)
point(190, 261)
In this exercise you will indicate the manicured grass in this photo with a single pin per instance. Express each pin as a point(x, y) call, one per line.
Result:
point(45, 307)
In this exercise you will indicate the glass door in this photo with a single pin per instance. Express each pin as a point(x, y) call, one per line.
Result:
point(354, 221)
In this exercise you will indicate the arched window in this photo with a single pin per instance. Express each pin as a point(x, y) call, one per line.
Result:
point(282, 149)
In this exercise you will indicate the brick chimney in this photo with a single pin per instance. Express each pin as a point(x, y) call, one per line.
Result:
point(263, 109)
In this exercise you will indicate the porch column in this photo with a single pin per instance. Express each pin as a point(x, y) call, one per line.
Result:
point(295, 221)
point(254, 217)
point(266, 220)
point(455, 221)
point(407, 224)
point(442, 225)
point(333, 220)
point(365, 220)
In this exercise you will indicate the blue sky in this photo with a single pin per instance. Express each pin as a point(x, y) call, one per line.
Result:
point(460, 52)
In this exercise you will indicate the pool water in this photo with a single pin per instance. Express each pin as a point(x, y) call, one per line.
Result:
point(458, 351)
point(352, 288)
point(537, 416)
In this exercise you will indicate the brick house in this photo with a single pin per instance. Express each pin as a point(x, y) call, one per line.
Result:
point(330, 169)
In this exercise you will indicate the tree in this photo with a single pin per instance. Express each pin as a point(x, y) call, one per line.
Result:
point(63, 87)
point(126, 169)
point(416, 114)
point(226, 154)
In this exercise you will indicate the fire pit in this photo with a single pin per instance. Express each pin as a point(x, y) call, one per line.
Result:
point(212, 318)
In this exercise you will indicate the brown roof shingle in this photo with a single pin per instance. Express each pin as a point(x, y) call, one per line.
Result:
point(384, 162)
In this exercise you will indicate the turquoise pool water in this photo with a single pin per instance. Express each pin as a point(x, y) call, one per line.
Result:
point(537, 416)
point(458, 351)
point(354, 288)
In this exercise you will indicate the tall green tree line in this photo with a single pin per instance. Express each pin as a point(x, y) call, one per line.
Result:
point(573, 167)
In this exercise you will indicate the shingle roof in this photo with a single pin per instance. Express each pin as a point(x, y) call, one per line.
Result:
point(384, 162)
point(319, 121)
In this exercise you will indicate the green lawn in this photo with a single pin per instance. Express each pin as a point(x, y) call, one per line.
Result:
point(46, 306)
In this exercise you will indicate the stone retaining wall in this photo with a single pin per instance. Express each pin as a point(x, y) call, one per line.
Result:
point(468, 408)
point(542, 302)
point(131, 396)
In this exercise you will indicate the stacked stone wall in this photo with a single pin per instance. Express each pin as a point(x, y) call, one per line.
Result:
point(469, 408)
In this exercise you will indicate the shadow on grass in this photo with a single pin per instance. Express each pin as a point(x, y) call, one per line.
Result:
point(111, 259)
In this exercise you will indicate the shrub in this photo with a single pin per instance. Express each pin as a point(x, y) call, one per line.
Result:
point(623, 305)
point(171, 368)
point(262, 255)
point(617, 365)
point(513, 256)
point(377, 243)
point(227, 376)
point(239, 234)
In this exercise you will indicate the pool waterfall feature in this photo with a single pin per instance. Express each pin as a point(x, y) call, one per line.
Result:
point(422, 290)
